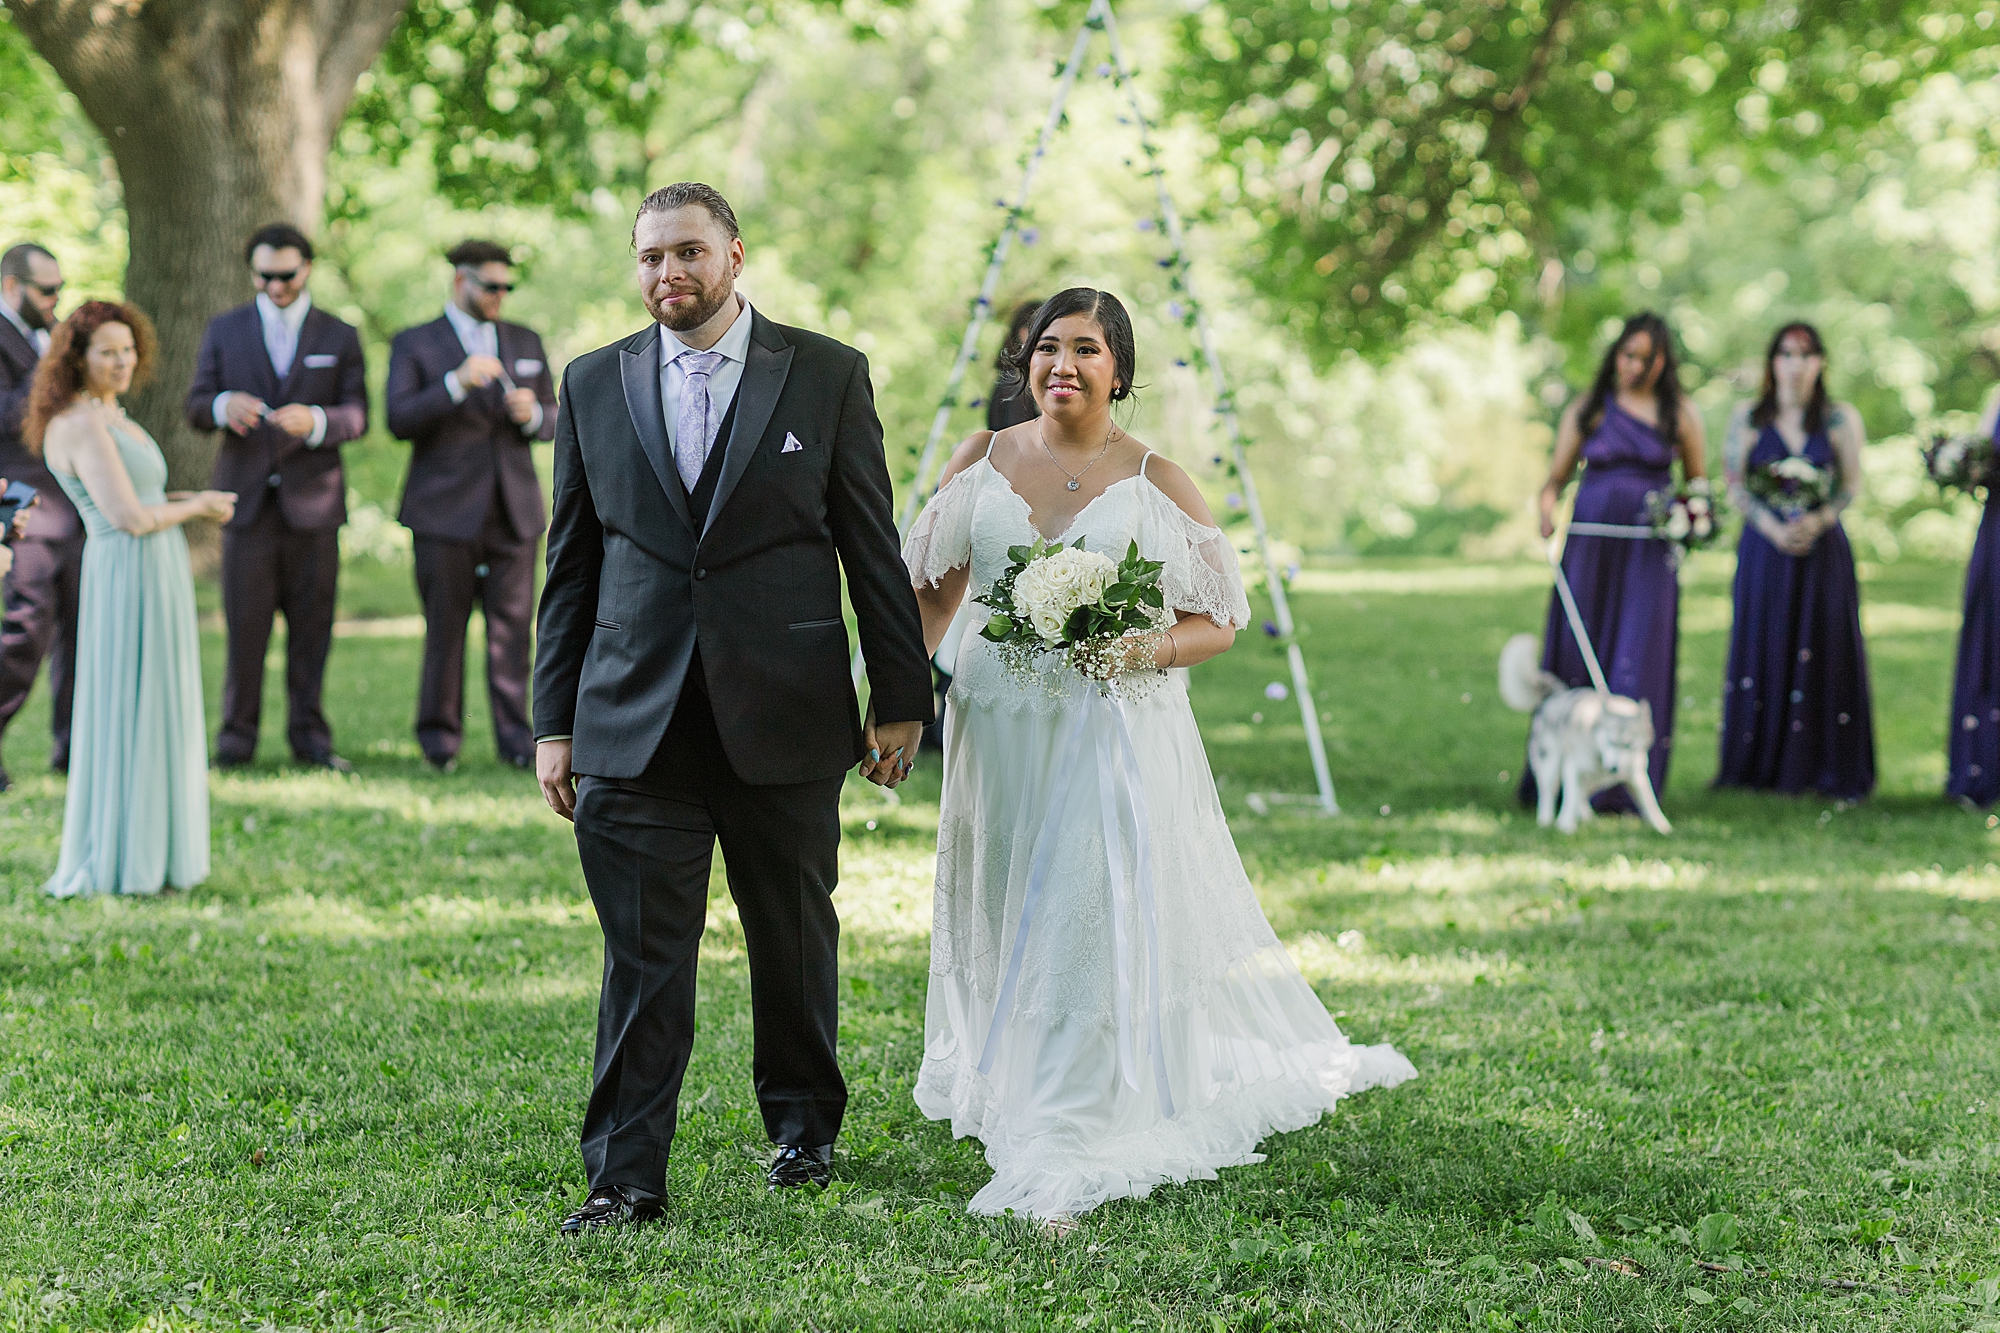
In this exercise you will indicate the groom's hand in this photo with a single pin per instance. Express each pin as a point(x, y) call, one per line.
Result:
point(892, 751)
point(558, 783)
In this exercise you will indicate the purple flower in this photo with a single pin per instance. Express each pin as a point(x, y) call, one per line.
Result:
point(1233, 500)
point(1030, 236)
point(1276, 692)
point(1270, 629)
point(1145, 224)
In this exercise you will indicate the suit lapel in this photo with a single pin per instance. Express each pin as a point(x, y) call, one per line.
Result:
point(639, 366)
point(20, 353)
point(765, 365)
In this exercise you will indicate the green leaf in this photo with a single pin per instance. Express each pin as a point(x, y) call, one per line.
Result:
point(1717, 1233)
point(1700, 1297)
point(1581, 1226)
point(1871, 1230)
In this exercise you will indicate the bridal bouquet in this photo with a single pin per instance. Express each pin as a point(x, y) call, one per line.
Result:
point(1792, 486)
point(1962, 464)
point(1685, 519)
point(1081, 605)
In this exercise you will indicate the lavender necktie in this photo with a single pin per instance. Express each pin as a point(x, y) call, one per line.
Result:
point(695, 429)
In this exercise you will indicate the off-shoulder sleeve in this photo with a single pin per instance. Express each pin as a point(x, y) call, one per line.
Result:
point(1201, 574)
point(941, 541)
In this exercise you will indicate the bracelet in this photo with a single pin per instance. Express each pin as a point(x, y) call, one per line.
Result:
point(1177, 650)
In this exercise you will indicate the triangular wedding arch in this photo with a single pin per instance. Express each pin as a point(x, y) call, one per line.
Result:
point(1100, 18)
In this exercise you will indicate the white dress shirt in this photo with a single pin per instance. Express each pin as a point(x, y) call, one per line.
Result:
point(37, 338)
point(733, 347)
point(479, 338)
point(281, 344)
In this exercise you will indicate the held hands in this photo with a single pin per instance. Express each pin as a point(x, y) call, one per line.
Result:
point(242, 412)
point(892, 749)
point(478, 370)
point(558, 782)
point(1796, 536)
point(520, 405)
point(218, 505)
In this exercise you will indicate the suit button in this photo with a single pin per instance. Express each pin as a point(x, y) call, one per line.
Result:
point(701, 573)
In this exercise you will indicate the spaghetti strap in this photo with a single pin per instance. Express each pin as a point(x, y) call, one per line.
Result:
point(1142, 462)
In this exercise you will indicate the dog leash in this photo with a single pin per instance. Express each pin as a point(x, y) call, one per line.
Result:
point(1575, 617)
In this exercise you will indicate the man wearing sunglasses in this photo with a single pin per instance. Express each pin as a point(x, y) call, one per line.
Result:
point(472, 393)
point(283, 381)
point(48, 558)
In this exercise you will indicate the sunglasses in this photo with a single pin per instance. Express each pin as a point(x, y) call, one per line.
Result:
point(483, 285)
point(50, 292)
point(266, 279)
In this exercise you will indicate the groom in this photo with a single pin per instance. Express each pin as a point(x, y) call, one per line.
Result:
point(714, 477)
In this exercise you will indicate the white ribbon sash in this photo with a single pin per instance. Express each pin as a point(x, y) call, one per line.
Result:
point(1116, 758)
point(1629, 531)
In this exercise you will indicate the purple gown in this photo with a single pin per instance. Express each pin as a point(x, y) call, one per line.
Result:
point(1795, 713)
point(1626, 590)
point(1975, 697)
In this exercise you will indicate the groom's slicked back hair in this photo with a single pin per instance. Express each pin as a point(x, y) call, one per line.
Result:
point(679, 195)
point(1109, 313)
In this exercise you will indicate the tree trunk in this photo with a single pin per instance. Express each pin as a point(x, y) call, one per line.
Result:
point(220, 114)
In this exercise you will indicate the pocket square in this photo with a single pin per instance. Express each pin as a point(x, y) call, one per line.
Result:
point(321, 360)
point(792, 445)
point(527, 367)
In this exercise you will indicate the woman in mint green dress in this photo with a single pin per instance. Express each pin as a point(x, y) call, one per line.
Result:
point(136, 818)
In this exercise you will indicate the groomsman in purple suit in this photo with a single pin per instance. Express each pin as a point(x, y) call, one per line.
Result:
point(48, 559)
point(284, 382)
point(472, 393)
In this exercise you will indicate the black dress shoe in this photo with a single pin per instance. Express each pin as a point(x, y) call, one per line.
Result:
point(329, 760)
point(798, 1167)
point(613, 1206)
point(443, 763)
point(518, 760)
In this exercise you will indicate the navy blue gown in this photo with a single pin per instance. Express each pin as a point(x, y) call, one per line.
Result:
point(1627, 591)
point(1795, 714)
point(1975, 697)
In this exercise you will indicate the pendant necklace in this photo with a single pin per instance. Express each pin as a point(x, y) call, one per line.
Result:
point(1075, 481)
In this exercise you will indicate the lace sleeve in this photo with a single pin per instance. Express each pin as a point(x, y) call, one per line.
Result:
point(1201, 574)
point(941, 541)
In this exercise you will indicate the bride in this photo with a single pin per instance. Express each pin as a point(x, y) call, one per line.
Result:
point(1108, 1007)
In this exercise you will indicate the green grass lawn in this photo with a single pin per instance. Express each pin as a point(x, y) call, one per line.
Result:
point(338, 1086)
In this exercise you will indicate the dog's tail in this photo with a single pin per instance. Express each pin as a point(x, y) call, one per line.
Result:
point(1523, 683)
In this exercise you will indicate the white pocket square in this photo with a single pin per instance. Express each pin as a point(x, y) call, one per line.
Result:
point(527, 367)
point(321, 360)
point(792, 445)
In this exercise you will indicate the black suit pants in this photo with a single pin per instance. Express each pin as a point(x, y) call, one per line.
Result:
point(41, 622)
point(647, 844)
point(497, 569)
point(268, 567)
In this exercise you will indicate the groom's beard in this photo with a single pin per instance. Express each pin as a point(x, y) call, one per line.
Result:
point(32, 316)
point(693, 314)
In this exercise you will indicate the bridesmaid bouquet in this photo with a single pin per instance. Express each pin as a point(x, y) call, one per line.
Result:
point(1962, 464)
point(1685, 519)
point(1075, 603)
point(1792, 486)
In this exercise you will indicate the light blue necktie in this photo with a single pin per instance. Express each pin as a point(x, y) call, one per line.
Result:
point(694, 431)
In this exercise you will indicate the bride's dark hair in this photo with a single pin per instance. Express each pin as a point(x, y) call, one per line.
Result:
point(1109, 314)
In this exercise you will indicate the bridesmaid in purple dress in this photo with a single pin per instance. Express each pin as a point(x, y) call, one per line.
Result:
point(1975, 698)
point(1795, 714)
point(1628, 430)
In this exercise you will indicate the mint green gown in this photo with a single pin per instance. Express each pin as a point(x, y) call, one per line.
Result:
point(137, 813)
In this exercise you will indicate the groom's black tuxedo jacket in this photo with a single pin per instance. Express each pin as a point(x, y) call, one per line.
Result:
point(636, 579)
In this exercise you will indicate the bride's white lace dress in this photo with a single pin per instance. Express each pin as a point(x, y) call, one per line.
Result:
point(1225, 1041)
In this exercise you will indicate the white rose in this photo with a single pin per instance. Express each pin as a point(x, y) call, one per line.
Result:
point(1677, 524)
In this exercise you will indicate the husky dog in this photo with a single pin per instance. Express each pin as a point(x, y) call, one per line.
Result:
point(1580, 741)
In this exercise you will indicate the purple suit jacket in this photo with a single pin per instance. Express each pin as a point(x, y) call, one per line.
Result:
point(327, 373)
point(55, 518)
point(461, 451)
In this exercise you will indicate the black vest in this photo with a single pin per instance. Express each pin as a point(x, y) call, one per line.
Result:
point(703, 494)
